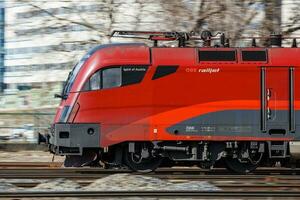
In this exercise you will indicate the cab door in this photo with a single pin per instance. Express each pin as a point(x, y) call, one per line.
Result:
point(277, 100)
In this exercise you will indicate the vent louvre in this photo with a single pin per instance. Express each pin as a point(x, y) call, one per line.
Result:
point(254, 56)
point(162, 71)
point(217, 55)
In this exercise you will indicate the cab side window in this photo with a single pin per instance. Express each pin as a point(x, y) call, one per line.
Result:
point(115, 77)
point(132, 74)
point(111, 77)
point(95, 83)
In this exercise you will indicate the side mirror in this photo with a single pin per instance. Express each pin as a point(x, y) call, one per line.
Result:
point(60, 96)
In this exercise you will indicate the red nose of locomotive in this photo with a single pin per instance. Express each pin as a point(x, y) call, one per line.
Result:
point(66, 137)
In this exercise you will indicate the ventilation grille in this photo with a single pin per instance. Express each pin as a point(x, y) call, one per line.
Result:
point(217, 55)
point(260, 56)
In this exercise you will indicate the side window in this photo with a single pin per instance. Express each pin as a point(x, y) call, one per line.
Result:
point(115, 77)
point(111, 77)
point(95, 81)
point(133, 74)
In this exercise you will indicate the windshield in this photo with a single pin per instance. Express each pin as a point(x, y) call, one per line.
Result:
point(71, 77)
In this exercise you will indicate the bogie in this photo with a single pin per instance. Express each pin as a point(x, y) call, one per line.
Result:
point(239, 157)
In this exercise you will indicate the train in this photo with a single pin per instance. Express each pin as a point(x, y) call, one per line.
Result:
point(201, 102)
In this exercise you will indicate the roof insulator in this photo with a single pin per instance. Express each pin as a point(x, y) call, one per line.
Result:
point(294, 44)
point(227, 43)
point(275, 40)
point(222, 39)
point(206, 37)
point(253, 42)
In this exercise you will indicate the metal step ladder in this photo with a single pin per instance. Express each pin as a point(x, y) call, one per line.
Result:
point(277, 149)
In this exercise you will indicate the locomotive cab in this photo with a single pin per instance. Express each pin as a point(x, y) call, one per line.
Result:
point(66, 137)
point(139, 106)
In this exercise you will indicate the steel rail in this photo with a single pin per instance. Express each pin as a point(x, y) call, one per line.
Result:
point(231, 194)
point(58, 165)
point(162, 171)
point(29, 164)
point(93, 173)
point(224, 186)
point(93, 176)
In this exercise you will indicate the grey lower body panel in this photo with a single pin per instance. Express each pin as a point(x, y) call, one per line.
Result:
point(70, 139)
point(244, 123)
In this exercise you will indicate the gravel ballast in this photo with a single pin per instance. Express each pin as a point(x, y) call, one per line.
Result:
point(130, 182)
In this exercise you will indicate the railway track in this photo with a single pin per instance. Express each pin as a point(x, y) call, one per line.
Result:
point(274, 182)
point(229, 184)
point(58, 166)
point(157, 194)
point(56, 171)
point(30, 164)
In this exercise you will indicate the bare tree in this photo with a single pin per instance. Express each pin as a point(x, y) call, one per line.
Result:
point(294, 19)
point(235, 18)
point(272, 19)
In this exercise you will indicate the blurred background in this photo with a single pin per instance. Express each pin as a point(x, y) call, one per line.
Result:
point(40, 42)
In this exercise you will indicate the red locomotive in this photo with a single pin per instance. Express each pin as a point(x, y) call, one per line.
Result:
point(134, 105)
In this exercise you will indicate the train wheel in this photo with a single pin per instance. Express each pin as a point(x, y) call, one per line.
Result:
point(142, 159)
point(244, 162)
point(236, 166)
point(88, 158)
